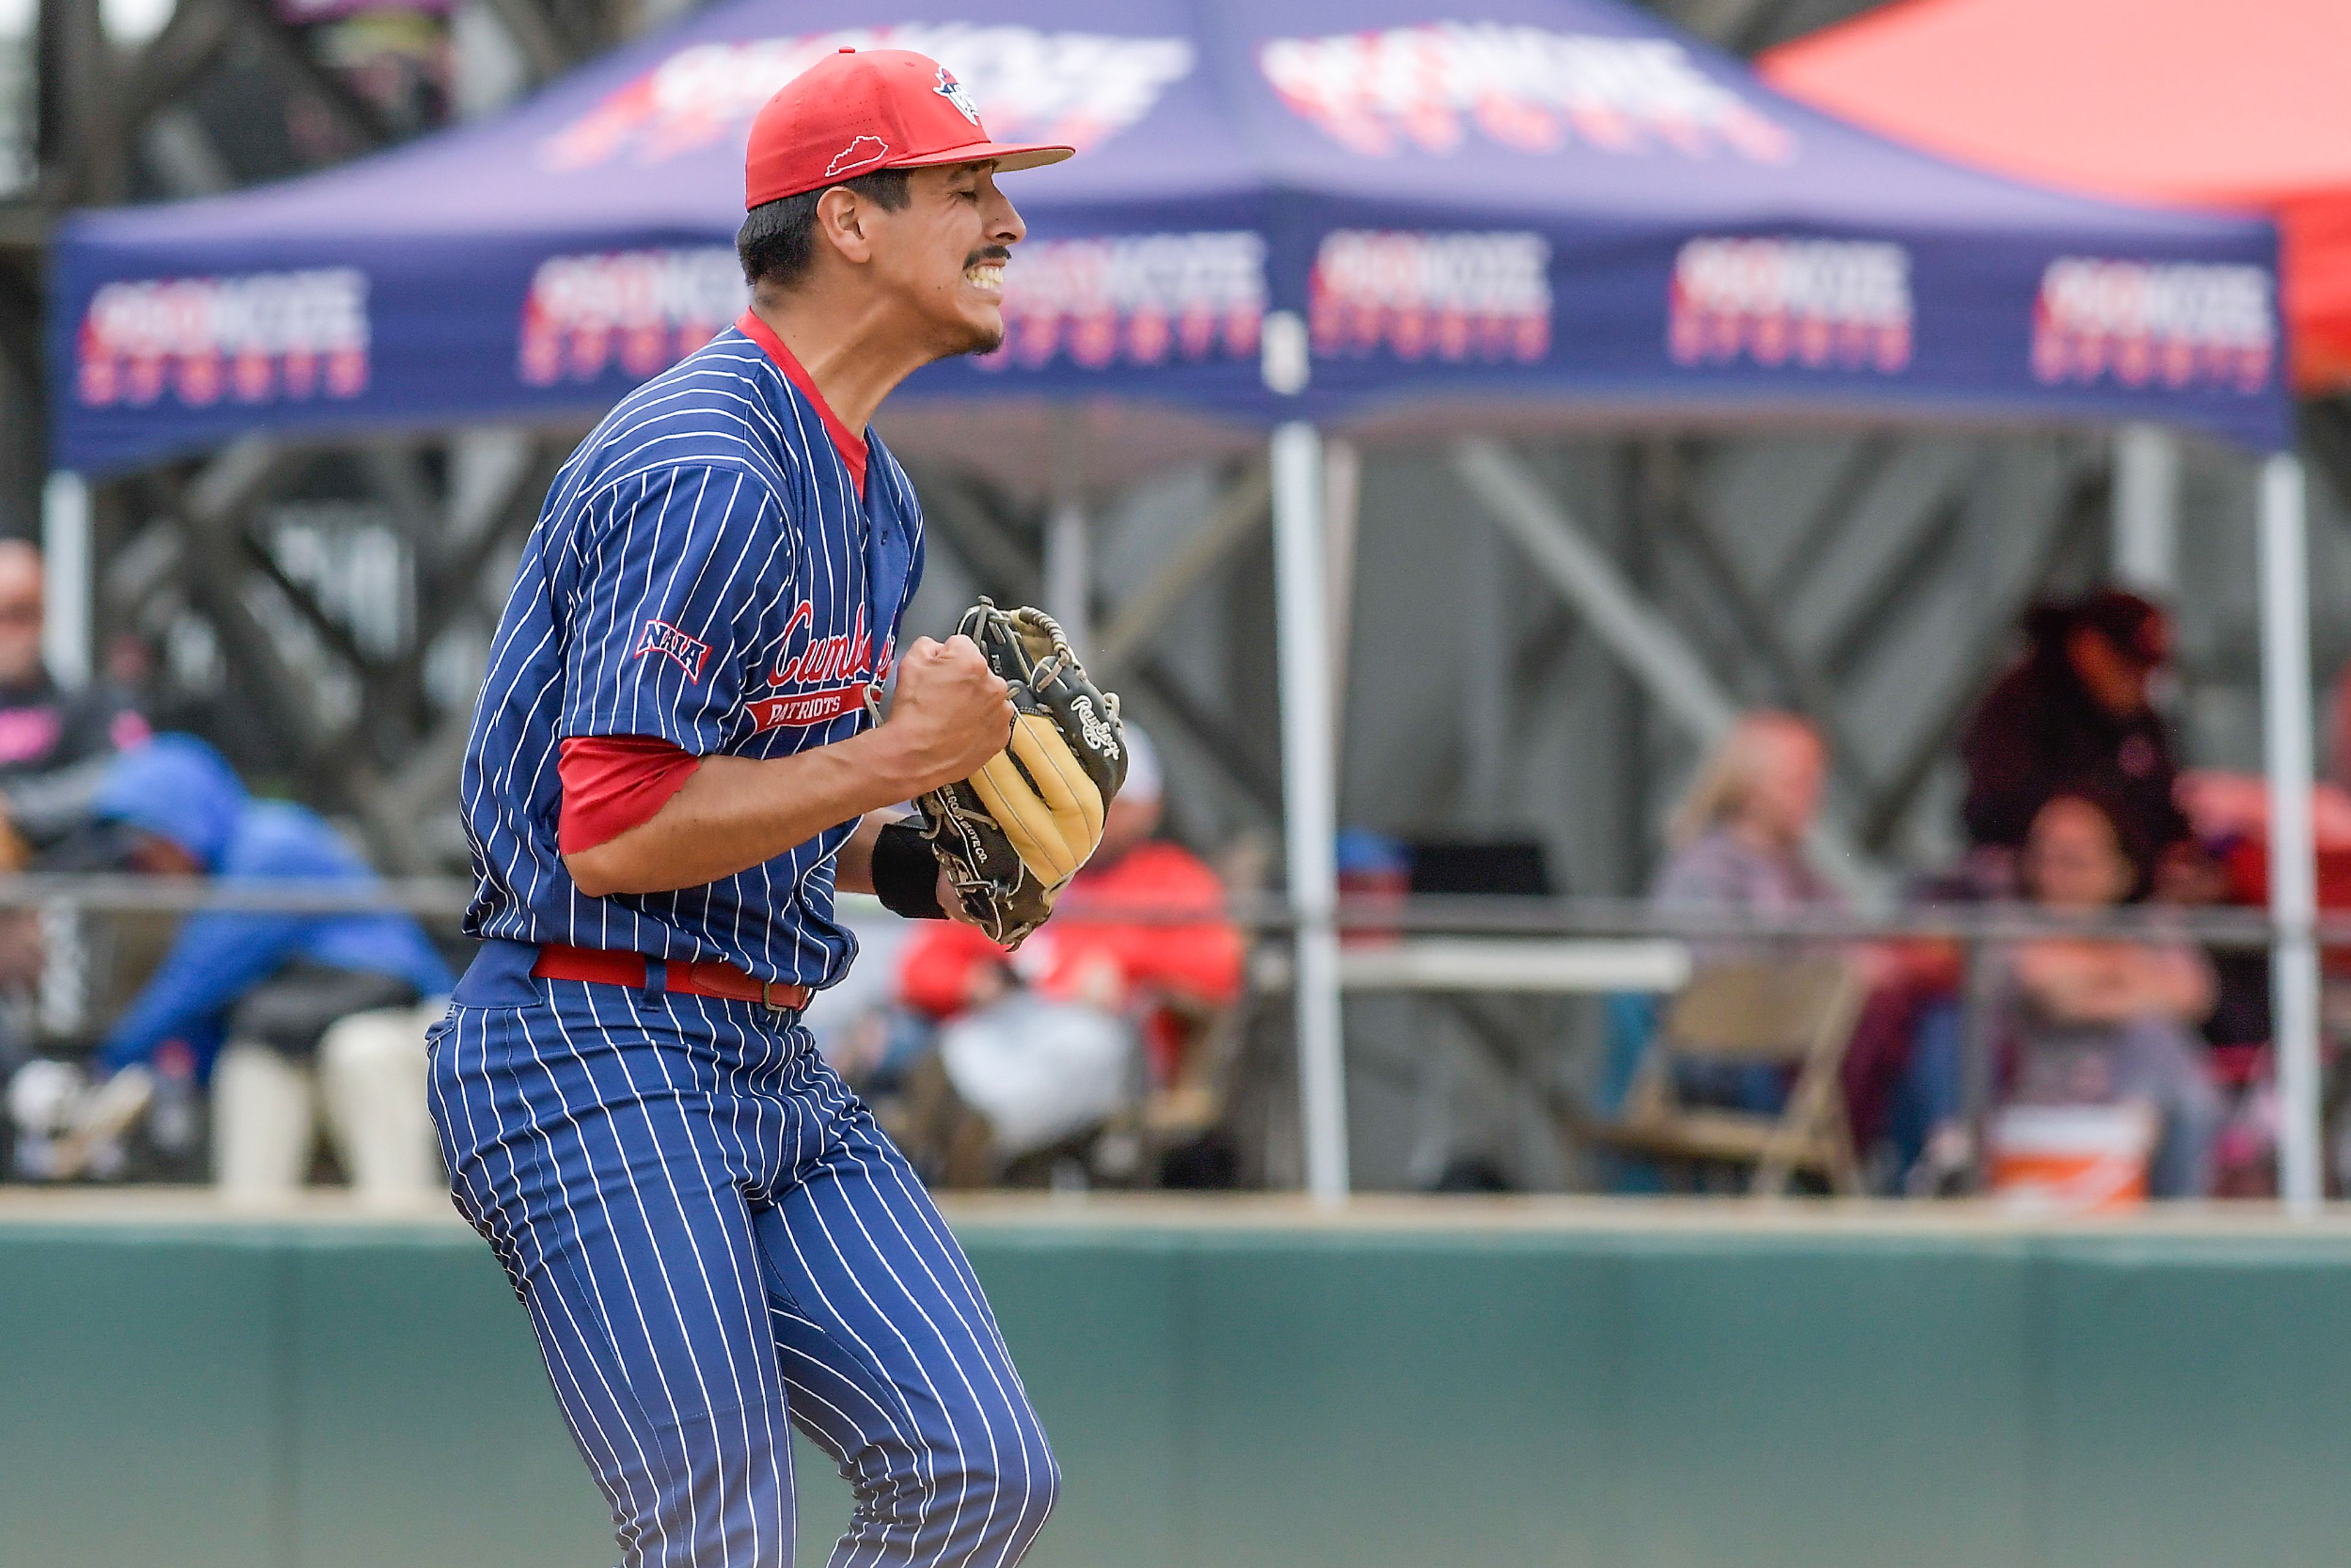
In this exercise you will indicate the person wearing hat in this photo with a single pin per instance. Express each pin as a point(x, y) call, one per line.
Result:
point(677, 761)
point(265, 991)
point(2077, 712)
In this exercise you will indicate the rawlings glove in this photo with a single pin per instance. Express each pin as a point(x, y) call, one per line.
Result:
point(1012, 834)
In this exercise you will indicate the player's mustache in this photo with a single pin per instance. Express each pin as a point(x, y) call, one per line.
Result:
point(988, 253)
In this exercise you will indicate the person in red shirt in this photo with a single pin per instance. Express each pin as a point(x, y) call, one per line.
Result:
point(1113, 946)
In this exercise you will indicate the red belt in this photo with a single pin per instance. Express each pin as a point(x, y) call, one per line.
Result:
point(701, 977)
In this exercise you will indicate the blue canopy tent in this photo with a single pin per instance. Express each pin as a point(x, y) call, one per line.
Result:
point(1559, 203)
point(1290, 215)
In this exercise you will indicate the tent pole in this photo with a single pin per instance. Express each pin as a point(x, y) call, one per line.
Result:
point(2147, 509)
point(2293, 901)
point(1310, 797)
point(1069, 574)
point(66, 586)
point(1342, 474)
point(1069, 569)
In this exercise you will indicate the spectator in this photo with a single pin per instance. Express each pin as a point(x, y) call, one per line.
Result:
point(1739, 834)
point(1738, 838)
point(2094, 1020)
point(53, 748)
point(2076, 711)
point(53, 743)
point(282, 987)
point(1042, 1042)
point(42, 727)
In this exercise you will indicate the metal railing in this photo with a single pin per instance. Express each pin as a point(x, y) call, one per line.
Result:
point(1981, 931)
point(445, 898)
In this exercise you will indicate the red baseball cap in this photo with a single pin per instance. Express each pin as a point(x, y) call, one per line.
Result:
point(851, 113)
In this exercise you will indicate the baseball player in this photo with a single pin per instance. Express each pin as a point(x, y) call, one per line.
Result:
point(674, 768)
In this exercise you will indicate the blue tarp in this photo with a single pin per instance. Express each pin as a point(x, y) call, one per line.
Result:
point(1557, 203)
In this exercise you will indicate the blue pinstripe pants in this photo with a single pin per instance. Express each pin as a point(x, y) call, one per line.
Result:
point(712, 1238)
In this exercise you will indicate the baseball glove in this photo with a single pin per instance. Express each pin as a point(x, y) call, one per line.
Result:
point(1012, 834)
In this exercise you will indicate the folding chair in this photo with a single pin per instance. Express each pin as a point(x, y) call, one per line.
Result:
point(1799, 1015)
point(1136, 1140)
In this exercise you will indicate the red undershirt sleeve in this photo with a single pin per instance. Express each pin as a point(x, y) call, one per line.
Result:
point(614, 782)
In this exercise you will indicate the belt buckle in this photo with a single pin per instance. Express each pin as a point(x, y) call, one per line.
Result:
point(765, 1001)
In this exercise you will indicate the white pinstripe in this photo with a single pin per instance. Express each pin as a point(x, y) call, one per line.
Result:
point(493, 1218)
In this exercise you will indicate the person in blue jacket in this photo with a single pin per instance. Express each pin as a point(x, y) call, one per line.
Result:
point(190, 815)
point(274, 984)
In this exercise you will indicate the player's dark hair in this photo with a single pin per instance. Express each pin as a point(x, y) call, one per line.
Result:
point(777, 240)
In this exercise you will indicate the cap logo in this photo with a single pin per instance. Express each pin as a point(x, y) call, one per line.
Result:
point(952, 90)
point(862, 153)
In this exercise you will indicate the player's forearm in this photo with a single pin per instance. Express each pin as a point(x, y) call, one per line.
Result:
point(852, 868)
point(736, 812)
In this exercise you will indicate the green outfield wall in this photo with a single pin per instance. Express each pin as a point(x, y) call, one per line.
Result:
point(1418, 1387)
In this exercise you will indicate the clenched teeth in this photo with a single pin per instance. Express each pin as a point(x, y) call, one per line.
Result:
point(988, 275)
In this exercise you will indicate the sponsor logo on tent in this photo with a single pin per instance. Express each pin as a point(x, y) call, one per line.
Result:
point(1819, 304)
point(1073, 88)
point(1142, 300)
point(252, 338)
point(1457, 297)
point(2142, 323)
point(642, 310)
point(1525, 88)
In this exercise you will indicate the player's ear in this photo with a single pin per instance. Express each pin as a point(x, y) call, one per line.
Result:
point(844, 219)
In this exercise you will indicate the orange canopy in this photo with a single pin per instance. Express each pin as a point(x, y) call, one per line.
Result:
point(2241, 104)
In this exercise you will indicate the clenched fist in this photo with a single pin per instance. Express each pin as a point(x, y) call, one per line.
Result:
point(951, 712)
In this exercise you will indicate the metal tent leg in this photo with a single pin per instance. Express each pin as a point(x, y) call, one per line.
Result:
point(2293, 894)
point(1343, 477)
point(2147, 509)
point(1069, 573)
point(1310, 797)
point(65, 567)
point(1068, 569)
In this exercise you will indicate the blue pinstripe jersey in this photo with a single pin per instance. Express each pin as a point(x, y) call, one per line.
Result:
point(703, 570)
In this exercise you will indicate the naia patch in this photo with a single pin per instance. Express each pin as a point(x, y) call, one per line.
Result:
point(691, 653)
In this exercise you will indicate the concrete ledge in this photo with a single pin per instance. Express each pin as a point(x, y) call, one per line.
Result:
point(1285, 1212)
